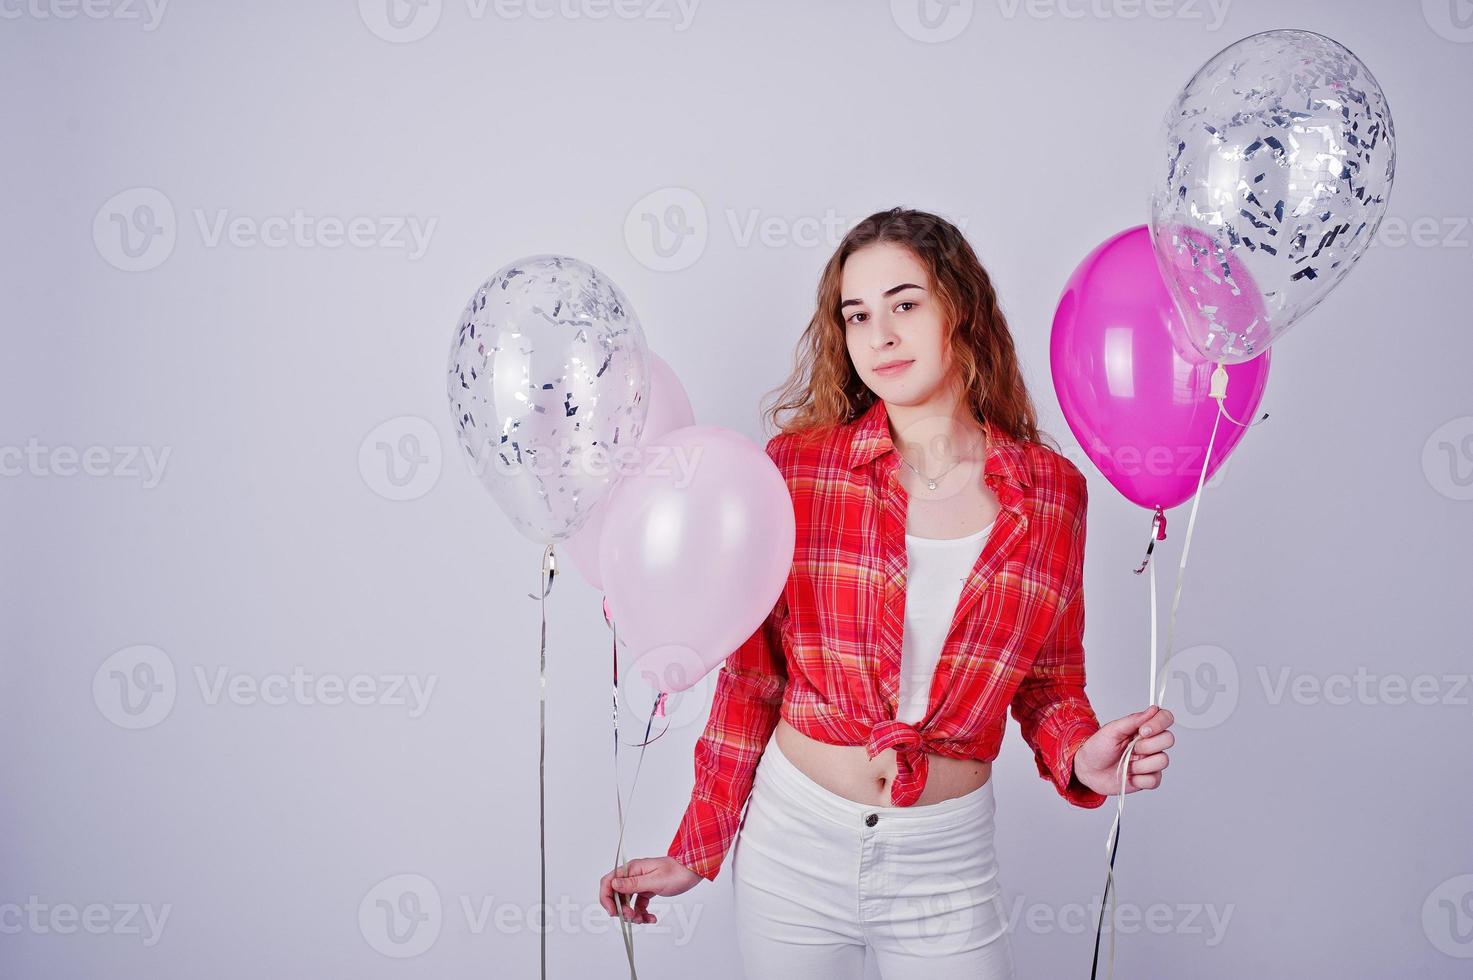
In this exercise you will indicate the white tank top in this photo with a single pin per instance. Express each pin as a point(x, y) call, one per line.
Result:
point(937, 570)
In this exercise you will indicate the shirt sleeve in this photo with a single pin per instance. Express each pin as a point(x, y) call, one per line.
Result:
point(1050, 705)
point(744, 712)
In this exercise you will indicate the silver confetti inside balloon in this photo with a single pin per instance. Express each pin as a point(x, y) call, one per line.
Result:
point(1279, 157)
point(548, 385)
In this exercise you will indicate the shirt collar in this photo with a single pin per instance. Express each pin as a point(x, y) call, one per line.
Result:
point(870, 438)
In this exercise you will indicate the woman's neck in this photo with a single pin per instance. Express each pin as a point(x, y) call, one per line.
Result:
point(935, 433)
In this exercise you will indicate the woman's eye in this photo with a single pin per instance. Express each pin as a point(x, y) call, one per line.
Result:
point(852, 316)
point(906, 303)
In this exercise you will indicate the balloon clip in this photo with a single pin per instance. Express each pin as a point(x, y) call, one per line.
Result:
point(1219, 382)
point(1158, 533)
point(549, 572)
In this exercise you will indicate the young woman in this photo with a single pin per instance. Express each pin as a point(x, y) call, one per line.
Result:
point(937, 583)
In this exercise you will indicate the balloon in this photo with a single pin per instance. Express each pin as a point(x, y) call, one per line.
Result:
point(1278, 161)
point(669, 409)
point(548, 379)
point(1138, 407)
point(695, 552)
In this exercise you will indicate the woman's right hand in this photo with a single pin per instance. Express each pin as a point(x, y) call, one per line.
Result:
point(644, 878)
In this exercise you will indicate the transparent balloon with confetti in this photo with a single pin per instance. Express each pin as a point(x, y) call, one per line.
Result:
point(1278, 159)
point(548, 381)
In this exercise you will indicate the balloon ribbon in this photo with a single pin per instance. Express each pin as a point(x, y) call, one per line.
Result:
point(549, 572)
point(1158, 533)
point(626, 927)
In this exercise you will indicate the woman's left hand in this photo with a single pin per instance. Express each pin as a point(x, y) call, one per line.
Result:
point(1097, 763)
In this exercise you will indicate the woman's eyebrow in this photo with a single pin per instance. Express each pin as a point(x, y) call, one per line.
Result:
point(889, 292)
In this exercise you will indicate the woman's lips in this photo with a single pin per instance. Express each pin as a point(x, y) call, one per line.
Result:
point(896, 369)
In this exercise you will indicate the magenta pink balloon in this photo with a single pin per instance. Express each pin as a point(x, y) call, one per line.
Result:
point(1137, 403)
point(669, 409)
point(695, 552)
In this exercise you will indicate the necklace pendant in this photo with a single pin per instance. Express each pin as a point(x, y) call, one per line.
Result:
point(930, 484)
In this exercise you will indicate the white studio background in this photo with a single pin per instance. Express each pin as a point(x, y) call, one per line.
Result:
point(236, 241)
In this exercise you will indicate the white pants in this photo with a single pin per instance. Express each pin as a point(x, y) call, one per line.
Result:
point(818, 877)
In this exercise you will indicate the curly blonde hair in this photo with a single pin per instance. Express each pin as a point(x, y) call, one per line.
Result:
point(825, 390)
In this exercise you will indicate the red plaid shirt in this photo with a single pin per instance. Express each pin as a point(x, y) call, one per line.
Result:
point(827, 658)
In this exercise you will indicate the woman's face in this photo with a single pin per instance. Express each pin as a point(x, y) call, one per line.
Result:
point(890, 314)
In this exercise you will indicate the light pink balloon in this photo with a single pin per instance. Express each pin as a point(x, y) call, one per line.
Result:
point(696, 550)
point(669, 408)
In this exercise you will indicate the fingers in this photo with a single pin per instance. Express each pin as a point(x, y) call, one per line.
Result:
point(1148, 753)
point(1150, 763)
point(611, 894)
point(1154, 744)
point(1158, 722)
point(631, 883)
point(1148, 721)
point(638, 911)
point(617, 893)
point(606, 892)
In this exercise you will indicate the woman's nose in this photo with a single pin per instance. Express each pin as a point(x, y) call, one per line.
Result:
point(882, 337)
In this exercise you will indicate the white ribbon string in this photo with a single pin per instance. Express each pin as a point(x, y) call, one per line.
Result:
point(1157, 693)
point(626, 927)
point(545, 580)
